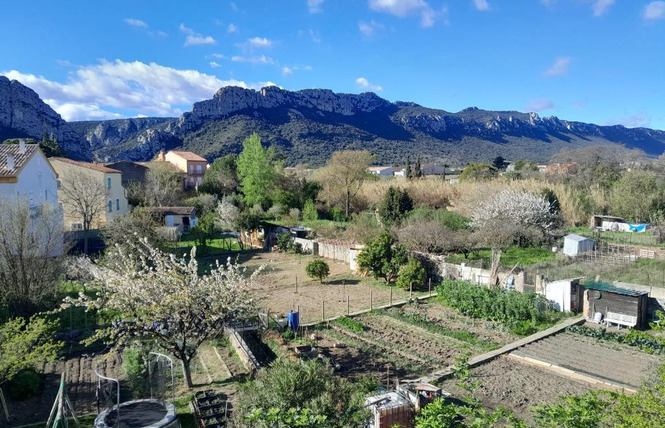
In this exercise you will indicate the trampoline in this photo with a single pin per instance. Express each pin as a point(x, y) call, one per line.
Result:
point(148, 413)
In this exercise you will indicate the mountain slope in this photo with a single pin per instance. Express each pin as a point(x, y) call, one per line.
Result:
point(307, 126)
point(24, 114)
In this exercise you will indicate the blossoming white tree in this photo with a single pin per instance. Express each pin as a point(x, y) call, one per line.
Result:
point(163, 299)
point(511, 216)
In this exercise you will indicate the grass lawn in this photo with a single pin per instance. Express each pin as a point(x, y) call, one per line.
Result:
point(213, 247)
point(645, 239)
point(649, 272)
point(511, 257)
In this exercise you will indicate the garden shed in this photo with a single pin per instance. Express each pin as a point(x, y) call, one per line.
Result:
point(574, 245)
point(566, 294)
point(617, 306)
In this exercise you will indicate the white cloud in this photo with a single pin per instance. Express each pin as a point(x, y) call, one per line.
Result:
point(559, 68)
point(634, 121)
point(232, 28)
point(481, 5)
point(234, 7)
point(136, 23)
point(364, 83)
point(540, 104)
point(314, 6)
point(307, 68)
point(654, 10)
point(369, 28)
point(161, 33)
point(287, 70)
point(80, 111)
point(259, 42)
point(195, 39)
point(213, 64)
point(601, 6)
point(217, 55)
point(128, 86)
point(404, 8)
point(266, 60)
point(315, 36)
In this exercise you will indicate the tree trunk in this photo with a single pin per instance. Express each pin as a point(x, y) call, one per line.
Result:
point(348, 202)
point(188, 372)
point(494, 270)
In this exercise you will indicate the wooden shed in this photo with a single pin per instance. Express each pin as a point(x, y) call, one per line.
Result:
point(616, 305)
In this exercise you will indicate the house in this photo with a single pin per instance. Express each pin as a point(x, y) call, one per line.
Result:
point(382, 171)
point(193, 165)
point(616, 224)
point(614, 305)
point(131, 171)
point(27, 175)
point(181, 218)
point(399, 172)
point(574, 245)
point(102, 209)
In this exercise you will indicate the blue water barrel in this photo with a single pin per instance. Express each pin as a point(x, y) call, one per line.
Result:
point(293, 320)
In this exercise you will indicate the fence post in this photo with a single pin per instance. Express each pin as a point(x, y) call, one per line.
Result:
point(429, 286)
point(370, 300)
point(391, 295)
point(323, 310)
point(347, 305)
point(296, 283)
point(411, 290)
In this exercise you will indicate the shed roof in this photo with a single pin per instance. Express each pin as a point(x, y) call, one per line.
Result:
point(576, 238)
point(611, 288)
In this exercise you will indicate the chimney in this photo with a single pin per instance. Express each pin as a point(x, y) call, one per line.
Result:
point(10, 162)
point(21, 146)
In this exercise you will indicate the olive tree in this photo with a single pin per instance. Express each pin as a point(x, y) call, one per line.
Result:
point(163, 299)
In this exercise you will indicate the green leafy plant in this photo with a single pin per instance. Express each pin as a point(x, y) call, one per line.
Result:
point(412, 274)
point(383, 258)
point(639, 339)
point(351, 324)
point(27, 383)
point(318, 269)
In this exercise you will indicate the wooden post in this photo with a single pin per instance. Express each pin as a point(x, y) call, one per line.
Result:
point(296, 283)
point(391, 295)
point(429, 286)
point(323, 310)
point(347, 305)
point(370, 300)
point(411, 290)
point(388, 380)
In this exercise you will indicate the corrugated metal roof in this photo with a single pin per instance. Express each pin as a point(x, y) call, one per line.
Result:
point(603, 286)
point(577, 238)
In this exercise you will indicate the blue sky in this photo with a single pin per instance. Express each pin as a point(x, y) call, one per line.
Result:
point(599, 61)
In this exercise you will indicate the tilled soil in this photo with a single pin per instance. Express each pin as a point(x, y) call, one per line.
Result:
point(613, 362)
point(518, 386)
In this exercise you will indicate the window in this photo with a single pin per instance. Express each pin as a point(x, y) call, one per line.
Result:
point(110, 206)
point(199, 180)
point(76, 226)
point(199, 169)
point(108, 183)
point(191, 169)
point(117, 204)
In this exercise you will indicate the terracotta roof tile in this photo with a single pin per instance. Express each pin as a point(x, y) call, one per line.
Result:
point(94, 166)
point(189, 156)
point(20, 159)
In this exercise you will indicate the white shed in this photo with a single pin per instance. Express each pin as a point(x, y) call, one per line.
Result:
point(574, 245)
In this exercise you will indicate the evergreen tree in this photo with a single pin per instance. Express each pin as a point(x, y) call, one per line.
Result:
point(396, 203)
point(256, 171)
point(418, 173)
point(409, 172)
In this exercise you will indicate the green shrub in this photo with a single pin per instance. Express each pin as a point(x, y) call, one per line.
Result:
point(134, 365)
point(639, 339)
point(412, 273)
point(317, 269)
point(27, 383)
point(289, 335)
point(309, 212)
point(284, 242)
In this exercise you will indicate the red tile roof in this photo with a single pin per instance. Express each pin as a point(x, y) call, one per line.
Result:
point(189, 156)
point(94, 166)
point(20, 159)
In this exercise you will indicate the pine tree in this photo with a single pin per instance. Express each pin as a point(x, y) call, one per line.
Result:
point(418, 172)
point(409, 172)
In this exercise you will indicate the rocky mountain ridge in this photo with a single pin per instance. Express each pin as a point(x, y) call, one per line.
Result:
point(24, 114)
